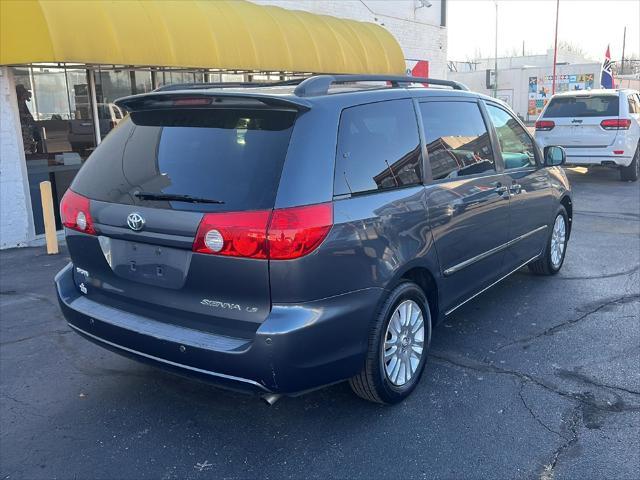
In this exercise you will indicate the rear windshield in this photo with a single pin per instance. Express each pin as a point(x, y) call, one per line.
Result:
point(583, 106)
point(233, 156)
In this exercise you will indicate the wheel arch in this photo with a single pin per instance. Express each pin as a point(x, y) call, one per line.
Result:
point(567, 203)
point(422, 276)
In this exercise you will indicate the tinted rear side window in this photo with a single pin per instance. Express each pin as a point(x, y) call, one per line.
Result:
point(457, 139)
point(583, 106)
point(235, 156)
point(378, 148)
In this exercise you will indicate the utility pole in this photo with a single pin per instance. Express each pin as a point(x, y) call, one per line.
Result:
point(555, 50)
point(495, 64)
point(624, 40)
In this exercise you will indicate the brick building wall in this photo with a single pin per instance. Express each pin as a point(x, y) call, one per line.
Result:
point(16, 223)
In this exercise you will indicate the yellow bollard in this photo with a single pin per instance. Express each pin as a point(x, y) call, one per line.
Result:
point(49, 219)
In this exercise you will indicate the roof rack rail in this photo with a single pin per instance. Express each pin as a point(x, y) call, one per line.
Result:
point(320, 84)
point(197, 86)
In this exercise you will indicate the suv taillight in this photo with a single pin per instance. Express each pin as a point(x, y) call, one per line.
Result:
point(281, 234)
point(75, 213)
point(544, 125)
point(242, 234)
point(296, 232)
point(616, 124)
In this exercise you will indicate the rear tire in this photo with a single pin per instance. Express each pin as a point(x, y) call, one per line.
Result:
point(392, 368)
point(552, 259)
point(631, 173)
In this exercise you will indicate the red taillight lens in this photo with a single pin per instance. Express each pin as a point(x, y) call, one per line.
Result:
point(242, 234)
point(295, 232)
point(75, 213)
point(616, 124)
point(283, 234)
point(544, 125)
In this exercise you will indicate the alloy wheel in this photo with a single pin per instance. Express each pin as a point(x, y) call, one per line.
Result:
point(558, 240)
point(404, 343)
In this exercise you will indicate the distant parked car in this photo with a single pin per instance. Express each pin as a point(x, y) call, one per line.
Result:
point(281, 238)
point(81, 132)
point(596, 127)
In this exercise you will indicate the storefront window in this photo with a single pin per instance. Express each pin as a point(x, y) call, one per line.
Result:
point(169, 77)
point(141, 81)
point(112, 84)
point(57, 120)
point(57, 129)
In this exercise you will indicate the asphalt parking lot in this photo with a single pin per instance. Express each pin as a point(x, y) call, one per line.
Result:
point(537, 378)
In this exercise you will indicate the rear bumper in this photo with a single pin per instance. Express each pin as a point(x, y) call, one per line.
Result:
point(297, 348)
point(584, 154)
point(605, 160)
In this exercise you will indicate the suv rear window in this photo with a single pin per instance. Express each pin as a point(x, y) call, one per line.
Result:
point(235, 156)
point(583, 106)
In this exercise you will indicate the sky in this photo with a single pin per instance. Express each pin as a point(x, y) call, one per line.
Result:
point(588, 24)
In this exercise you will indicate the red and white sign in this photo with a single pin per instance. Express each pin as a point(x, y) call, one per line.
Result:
point(417, 68)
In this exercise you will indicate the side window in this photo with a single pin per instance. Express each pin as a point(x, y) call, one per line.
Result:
point(378, 148)
point(516, 145)
point(457, 139)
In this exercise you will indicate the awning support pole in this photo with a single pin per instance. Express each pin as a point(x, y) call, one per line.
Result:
point(94, 106)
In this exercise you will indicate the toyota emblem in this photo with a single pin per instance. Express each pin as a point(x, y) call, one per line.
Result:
point(135, 221)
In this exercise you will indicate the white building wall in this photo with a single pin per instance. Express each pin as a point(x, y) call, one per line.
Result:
point(417, 29)
point(513, 84)
point(16, 219)
point(542, 60)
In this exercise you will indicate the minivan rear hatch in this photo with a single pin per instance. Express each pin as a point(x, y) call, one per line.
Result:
point(577, 120)
point(151, 182)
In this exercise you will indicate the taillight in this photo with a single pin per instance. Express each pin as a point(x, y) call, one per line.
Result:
point(544, 125)
point(75, 213)
point(242, 234)
point(295, 232)
point(281, 234)
point(616, 124)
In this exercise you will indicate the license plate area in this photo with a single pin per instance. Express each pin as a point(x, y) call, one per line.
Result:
point(145, 263)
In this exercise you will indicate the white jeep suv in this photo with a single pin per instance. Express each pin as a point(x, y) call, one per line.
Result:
point(596, 127)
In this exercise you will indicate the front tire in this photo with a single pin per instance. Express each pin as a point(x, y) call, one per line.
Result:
point(397, 347)
point(631, 173)
point(552, 258)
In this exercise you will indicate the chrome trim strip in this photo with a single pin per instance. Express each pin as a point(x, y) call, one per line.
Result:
point(477, 258)
point(489, 286)
point(488, 253)
point(169, 362)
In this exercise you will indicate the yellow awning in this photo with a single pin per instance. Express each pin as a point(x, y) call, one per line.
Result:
point(214, 34)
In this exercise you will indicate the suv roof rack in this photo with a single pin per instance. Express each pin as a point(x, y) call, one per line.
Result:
point(317, 84)
point(197, 86)
point(320, 84)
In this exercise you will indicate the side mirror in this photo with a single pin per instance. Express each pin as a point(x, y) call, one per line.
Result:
point(554, 156)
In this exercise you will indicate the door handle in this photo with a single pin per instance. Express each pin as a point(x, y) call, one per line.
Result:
point(516, 188)
point(501, 189)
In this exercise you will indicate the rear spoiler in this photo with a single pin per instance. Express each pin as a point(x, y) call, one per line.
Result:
point(191, 99)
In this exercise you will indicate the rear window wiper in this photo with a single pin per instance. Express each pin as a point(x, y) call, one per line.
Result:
point(176, 197)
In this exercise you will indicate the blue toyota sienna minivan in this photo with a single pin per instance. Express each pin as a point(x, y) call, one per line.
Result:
point(281, 238)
